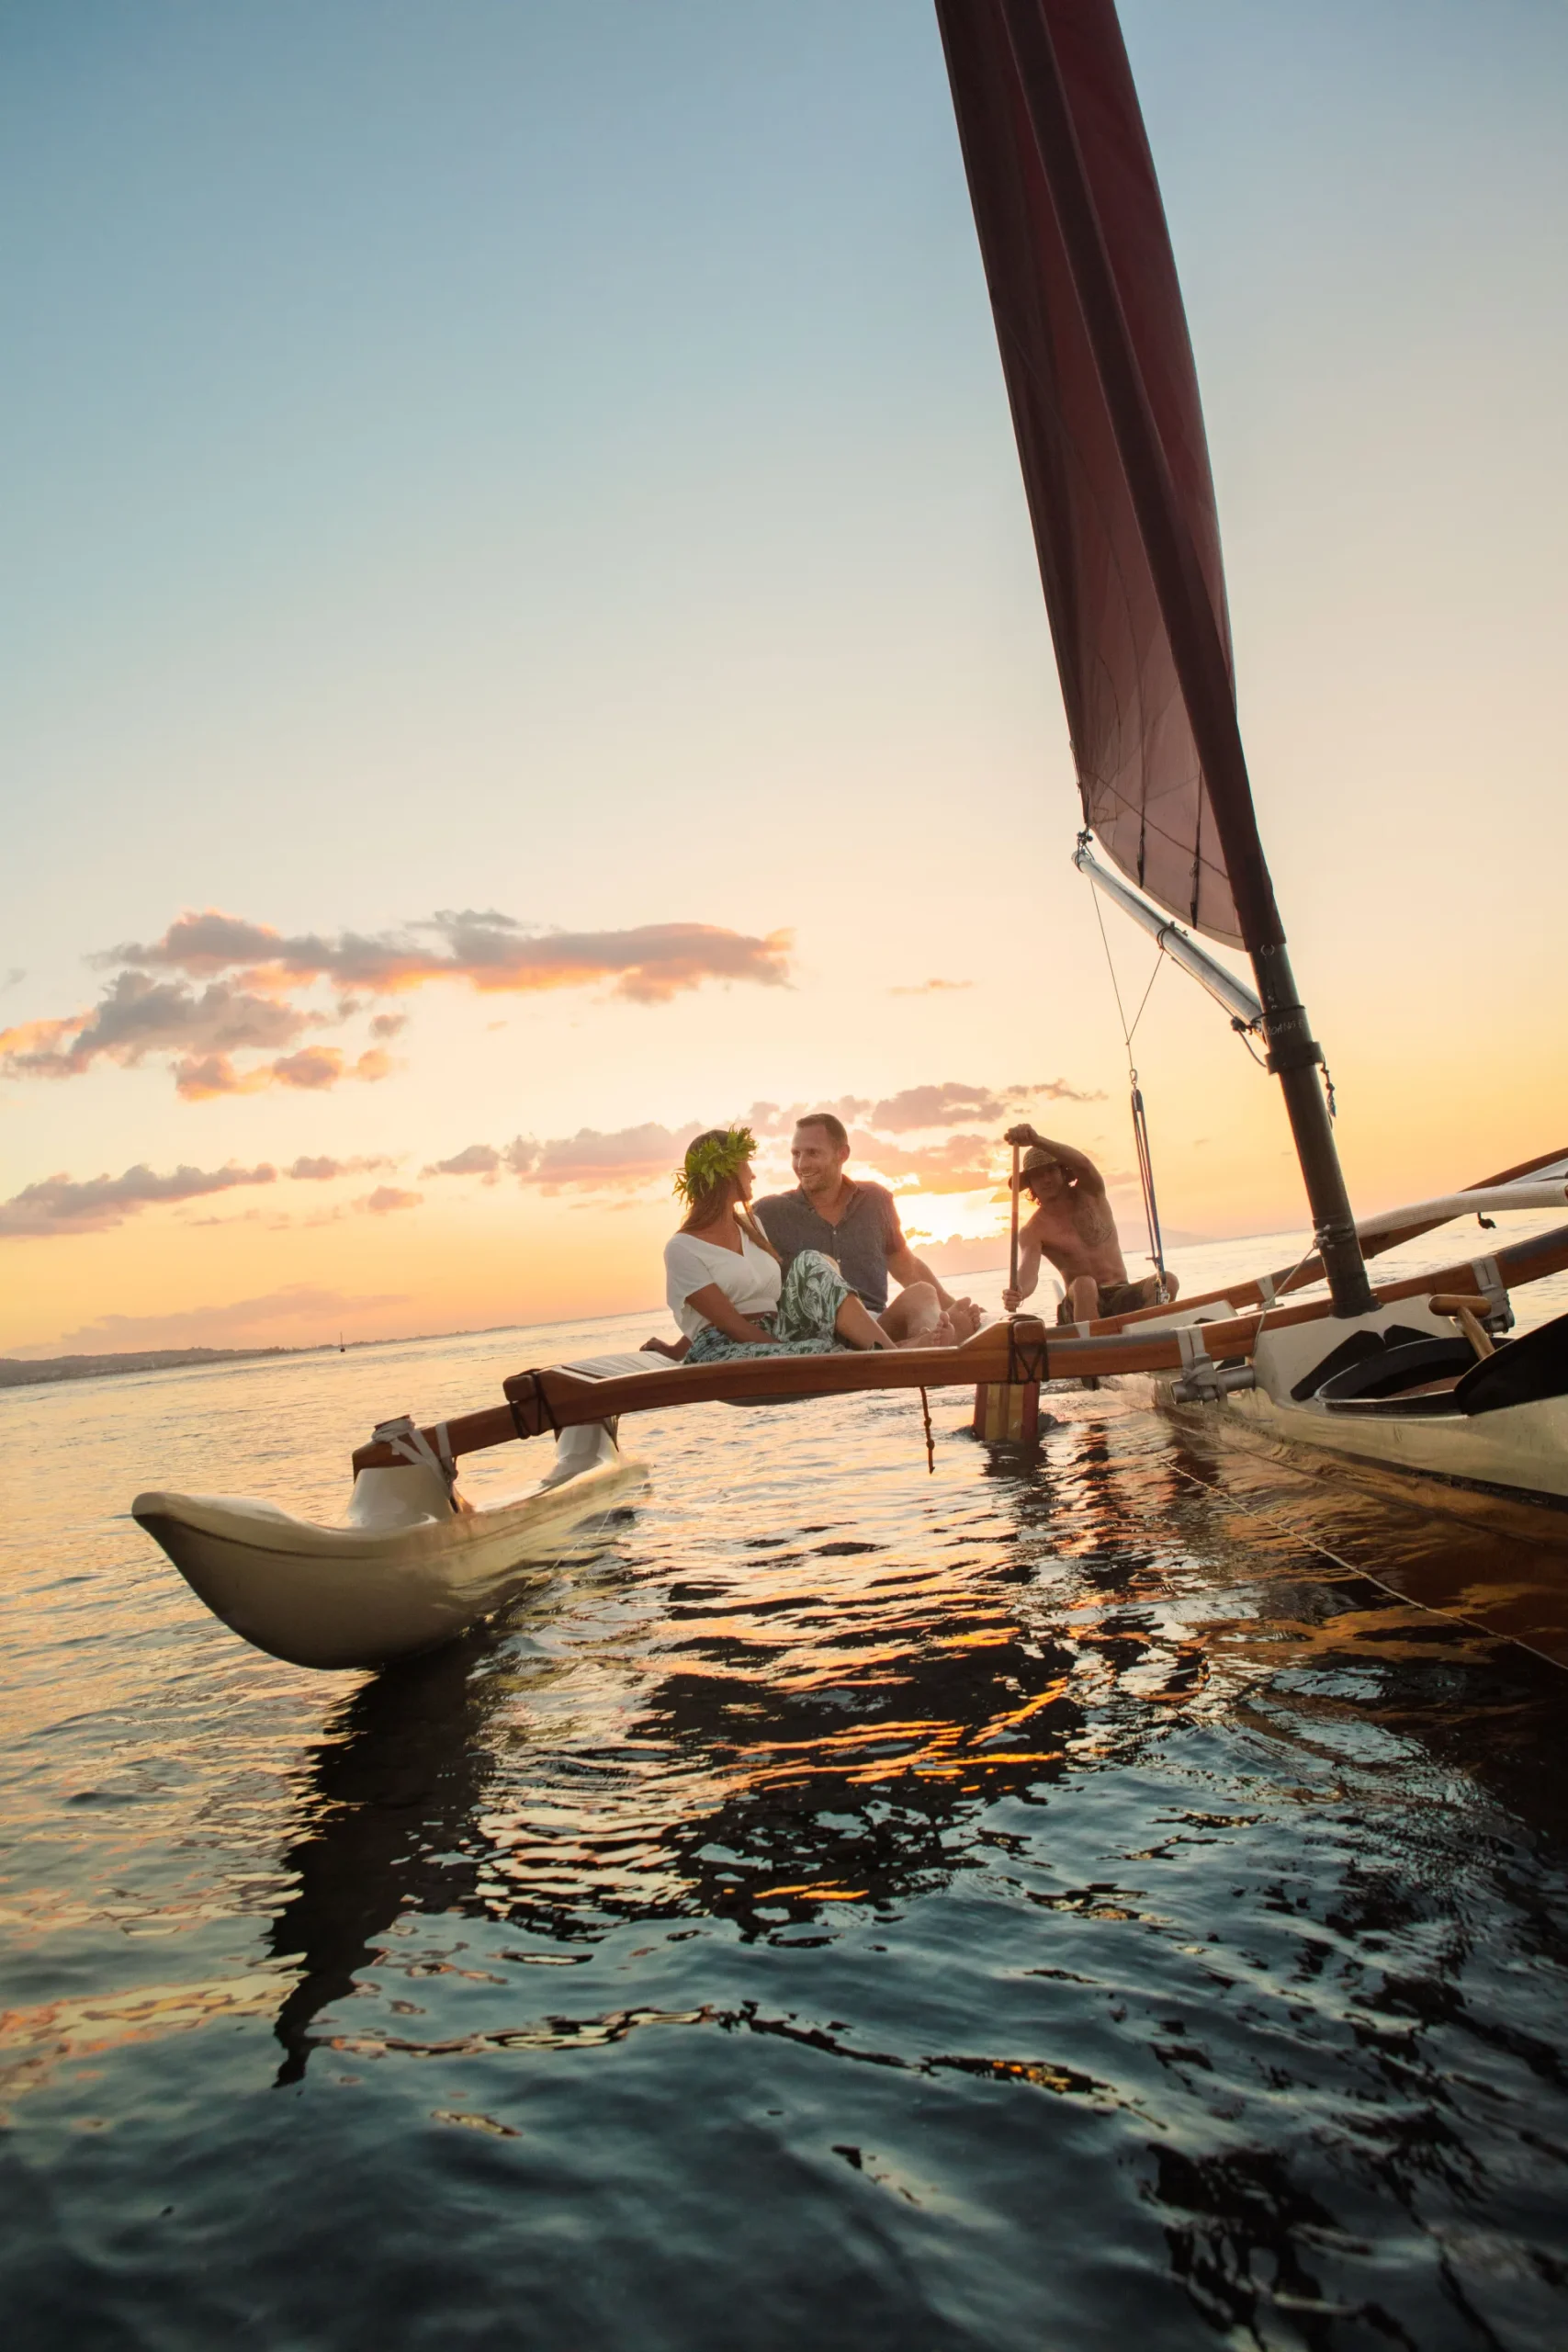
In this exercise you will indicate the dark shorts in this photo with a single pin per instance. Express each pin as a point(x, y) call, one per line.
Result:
point(1117, 1298)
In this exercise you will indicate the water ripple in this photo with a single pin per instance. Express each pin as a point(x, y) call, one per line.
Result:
point(1057, 1898)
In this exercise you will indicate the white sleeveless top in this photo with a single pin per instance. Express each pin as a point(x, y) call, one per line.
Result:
point(752, 1281)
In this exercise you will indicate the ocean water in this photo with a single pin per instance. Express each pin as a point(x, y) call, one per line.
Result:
point(1062, 1900)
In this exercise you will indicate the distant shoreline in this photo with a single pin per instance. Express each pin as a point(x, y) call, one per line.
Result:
point(20, 1372)
point(40, 1372)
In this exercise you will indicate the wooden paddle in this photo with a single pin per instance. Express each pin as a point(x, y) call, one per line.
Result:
point(1012, 1245)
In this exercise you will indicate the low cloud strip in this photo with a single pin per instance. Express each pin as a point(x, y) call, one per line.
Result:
point(59, 1206)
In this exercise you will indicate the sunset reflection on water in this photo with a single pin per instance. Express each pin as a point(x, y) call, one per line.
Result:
point(1074, 1889)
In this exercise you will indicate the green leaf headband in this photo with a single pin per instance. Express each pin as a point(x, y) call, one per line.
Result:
point(709, 1162)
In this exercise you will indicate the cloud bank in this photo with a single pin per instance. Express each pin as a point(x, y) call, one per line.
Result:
point(489, 950)
point(217, 985)
point(59, 1205)
point(623, 1159)
point(628, 1160)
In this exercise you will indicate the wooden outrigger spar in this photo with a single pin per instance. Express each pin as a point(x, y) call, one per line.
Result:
point(559, 1397)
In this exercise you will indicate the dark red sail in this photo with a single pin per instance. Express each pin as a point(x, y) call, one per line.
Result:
point(1139, 772)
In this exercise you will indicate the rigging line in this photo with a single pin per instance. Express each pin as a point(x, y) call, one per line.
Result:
point(1115, 987)
point(1110, 965)
point(1140, 1121)
point(1280, 1289)
point(1137, 1016)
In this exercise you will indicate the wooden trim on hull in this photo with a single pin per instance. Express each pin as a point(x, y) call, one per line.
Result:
point(555, 1398)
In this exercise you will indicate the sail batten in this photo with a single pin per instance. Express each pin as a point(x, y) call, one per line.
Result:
point(1140, 775)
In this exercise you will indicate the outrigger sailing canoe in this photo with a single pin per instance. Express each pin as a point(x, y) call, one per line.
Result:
point(412, 1565)
point(1416, 1378)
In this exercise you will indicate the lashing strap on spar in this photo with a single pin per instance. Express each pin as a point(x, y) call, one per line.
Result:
point(532, 1385)
point(408, 1441)
point(1498, 1309)
point(1026, 1350)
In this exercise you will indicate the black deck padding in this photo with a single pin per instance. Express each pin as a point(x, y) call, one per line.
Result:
point(1359, 1348)
point(1410, 1365)
point(1521, 1372)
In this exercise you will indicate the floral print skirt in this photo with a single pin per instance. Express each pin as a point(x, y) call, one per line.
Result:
point(802, 1324)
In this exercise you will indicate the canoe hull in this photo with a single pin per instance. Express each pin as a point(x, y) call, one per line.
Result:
point(1521, 1451)
point(1512, 1453)
point(363, 1595)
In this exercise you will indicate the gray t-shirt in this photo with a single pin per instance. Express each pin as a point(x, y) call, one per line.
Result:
point(859, 1244)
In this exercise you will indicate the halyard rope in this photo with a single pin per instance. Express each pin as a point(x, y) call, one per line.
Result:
point(1140, 1120)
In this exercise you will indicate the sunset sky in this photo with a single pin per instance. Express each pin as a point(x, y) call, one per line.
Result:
point(523, 636)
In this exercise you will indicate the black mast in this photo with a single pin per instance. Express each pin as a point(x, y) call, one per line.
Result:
point(1294, 1055)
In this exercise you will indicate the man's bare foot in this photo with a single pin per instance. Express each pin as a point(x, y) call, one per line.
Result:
point(677, 1354)
point(965, 1318)
point(939, 1334)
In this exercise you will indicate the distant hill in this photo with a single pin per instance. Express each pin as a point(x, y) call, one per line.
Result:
point(16, 1373)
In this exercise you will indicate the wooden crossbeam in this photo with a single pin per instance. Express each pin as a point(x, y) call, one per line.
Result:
point(555, 1398)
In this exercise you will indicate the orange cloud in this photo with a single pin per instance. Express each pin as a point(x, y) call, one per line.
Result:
point(58, 1205)
point(313, 1069)
point(629, 1158)
point(137, 1016)
point(487, 949)
point(386, 1198)
point(960, 1164)
point(321, 1170)
point(624, 1159)
point(214, 985)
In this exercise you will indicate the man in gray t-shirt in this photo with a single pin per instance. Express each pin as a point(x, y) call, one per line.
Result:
point(856, 1224)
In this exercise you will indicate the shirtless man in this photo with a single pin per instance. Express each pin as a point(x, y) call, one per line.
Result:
point(1073, 1226)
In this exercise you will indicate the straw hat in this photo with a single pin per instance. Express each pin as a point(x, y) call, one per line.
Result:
point(1034, 1160)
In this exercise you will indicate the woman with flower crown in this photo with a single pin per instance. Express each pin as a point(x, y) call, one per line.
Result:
point(724, 1280)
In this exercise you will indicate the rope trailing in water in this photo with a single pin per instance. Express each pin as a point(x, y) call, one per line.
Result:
point(930, 1442)
point(1140, 1120)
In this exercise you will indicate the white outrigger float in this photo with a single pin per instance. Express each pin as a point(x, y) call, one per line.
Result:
point(410, 1567)
point(1415, 1381)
